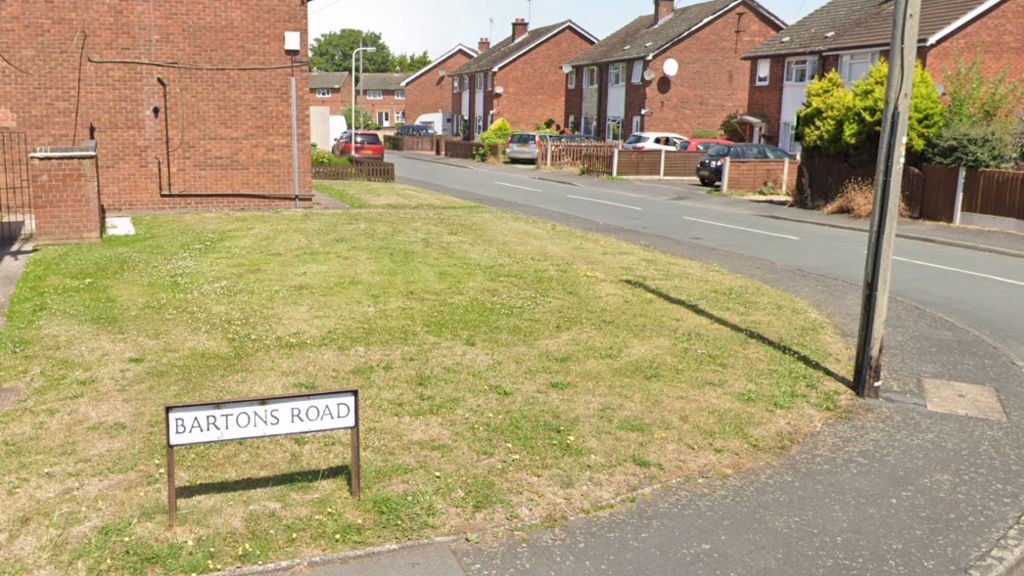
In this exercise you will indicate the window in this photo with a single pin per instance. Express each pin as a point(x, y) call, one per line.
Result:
point(384, 119)
point(764, 70)
point(571, 126)
point(572, 79)
point(490, 80)
point(323, 92)
point(465, 83)
point(589, 126)
point(853, 67)
point(479, 125)
point(616, 74)
point(479, 83)
point(638, 72)
point(400, 117)
point(613, 130)
point(455, 84)
point(375, 95)
point(590, 77)
point(399, 94)
point(636, 125)
point(801, 70)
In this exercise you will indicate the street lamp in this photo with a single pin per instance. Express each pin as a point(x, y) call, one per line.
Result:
point(352, 128)
point(292, 47)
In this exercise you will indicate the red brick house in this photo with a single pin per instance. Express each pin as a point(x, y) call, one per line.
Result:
point(428, 91)
point(382, 96)
point(519, 78)
point(677, 70)
point(77, 69)
point(850, 35)
point(329, 94)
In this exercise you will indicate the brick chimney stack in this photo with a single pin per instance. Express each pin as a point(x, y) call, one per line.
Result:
point(520, 27)
point(662, 9)
point(484, 45)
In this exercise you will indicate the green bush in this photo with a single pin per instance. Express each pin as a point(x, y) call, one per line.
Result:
point(705, 133)
point(325, 158)
point(731, 130)
point(821, 122)
point(976, 146)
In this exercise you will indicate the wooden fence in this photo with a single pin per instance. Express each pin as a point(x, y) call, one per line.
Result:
point(994, 193)
point(410, 143)
point(464, 150)
point(939, 199)
point(360, 170)
point(572, 154)
point(597, 163)
point(756, 175)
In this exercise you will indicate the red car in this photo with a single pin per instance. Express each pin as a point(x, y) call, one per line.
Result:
point(702, 144)
point(368, 147)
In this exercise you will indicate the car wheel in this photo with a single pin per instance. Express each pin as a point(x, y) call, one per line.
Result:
point(707, 182)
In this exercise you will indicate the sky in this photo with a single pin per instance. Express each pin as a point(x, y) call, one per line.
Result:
point(412, 26)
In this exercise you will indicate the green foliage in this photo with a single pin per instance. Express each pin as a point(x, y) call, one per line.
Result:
point(363, 120)
point(864, 126)
point(501, 130)
point(975, 146)
point(332, 52)
point(411, 63)
point(821, 122)
point(706, 133)
point(326, 158)
point(731, 130)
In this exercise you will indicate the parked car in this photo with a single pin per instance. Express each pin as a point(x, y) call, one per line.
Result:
point(367, 147)
point(576, 139)
point(528, 145)
point(654, 141)
point(709, 169)
point(702, 144)
point(415, 130)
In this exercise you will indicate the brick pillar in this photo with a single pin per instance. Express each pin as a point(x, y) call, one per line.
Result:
point(65, 195)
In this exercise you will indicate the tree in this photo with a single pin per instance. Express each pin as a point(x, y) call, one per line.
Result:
point(332, 52)
point(863, 127)
point(821, 123)
point(411, 63)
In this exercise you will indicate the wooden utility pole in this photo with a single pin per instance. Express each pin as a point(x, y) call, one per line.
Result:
point(888, 183)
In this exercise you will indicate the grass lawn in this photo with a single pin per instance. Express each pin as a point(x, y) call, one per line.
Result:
point(510, 371)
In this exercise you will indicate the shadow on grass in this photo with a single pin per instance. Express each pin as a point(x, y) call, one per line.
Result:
point(241, 485)
point(756, 336)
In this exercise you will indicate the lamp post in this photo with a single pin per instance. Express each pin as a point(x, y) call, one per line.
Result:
point(292, 47)
point(352, 129)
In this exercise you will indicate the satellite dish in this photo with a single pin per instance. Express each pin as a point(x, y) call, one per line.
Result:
point(671, 67)
point(499, 90)
point(649, 75)
point(566, 68)
point(442, 73)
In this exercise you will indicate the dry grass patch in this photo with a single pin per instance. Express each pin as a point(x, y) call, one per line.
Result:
point(502, 381)
point(857, 198)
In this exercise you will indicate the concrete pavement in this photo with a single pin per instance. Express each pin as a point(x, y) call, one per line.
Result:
point(896, 489)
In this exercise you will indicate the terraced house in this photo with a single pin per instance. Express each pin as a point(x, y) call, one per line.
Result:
point(851, 35)
point(677, 70)
point(519, 78)
point(382, 95)
point(427, 92)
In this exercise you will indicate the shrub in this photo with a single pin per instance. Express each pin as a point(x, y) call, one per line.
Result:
point(822, 121)
point(857, 198)
point(976, 146)
point(706, 133)
point(730, 130)
point(325, 158)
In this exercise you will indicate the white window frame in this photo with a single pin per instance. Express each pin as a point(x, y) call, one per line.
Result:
point(617, 74)
point(374, 94)
point(490, 81)
point(400, 117)
point(324, 92)
point(763, 72)
point(455, 84)
point(479, 82)
point(384, 118)
point(572, 79)
point(846, 61)
point(637, 124)
point(572, 122)
point(638, 72)
point(400, 94)
point(590, 77)
point(806, 64)
point(609, 125)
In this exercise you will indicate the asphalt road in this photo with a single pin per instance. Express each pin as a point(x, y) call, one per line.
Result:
point(979, 290)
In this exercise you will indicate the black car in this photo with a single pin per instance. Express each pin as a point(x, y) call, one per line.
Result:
point(415, 130)
point(709, 169)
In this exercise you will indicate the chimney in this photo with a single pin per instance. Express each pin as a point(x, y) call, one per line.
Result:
point(662, 8)
point(484, 45)
point(520, 27)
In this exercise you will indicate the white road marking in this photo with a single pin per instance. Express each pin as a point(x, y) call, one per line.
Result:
point(603, 202)
point(520, 187)
point(742, 228)
point(968, 272)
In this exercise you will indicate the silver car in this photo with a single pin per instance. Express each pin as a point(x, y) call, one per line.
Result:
point(528, 146)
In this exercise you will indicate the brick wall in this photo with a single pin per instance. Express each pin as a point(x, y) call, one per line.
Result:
point(766, 101)
point(230, 129)
point(65, 196)
point(535, 84)
point(995, 35)
point(338, 101)
point(388, 104)
point(431, 92)
point(712, 81)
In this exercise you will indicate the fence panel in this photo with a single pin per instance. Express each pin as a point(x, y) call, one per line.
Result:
point(417, 143)
point(939, 198)
point(571, 154)
point(682, 164)
point(995, 193)
point(755, 175)
point(639, 163)
point(365, 171)
point(597, 163)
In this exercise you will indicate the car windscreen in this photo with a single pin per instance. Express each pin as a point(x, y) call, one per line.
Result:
point(635, 138)
point(719, 150)
point(523, 139)
point(370, 139)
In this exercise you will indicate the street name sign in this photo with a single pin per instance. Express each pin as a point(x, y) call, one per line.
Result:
point(207, 423)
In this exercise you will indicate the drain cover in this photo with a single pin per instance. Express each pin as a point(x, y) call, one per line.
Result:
point(963, 399)
point(8, 396)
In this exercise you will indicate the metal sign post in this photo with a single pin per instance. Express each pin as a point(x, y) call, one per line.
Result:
point(193, 424)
